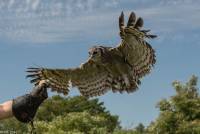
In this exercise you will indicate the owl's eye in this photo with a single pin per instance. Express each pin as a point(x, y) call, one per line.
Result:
point(95, 52)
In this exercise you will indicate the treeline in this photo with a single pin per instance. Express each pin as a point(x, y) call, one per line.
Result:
point(179, 114)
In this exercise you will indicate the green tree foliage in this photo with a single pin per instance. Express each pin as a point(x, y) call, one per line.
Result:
point(12, 125)
point(181, 113)
point(139, 129)
point(79, 122)
point(59, 106)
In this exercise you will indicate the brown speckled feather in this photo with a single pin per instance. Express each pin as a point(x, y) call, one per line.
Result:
point(135, 49)
point(117, 69)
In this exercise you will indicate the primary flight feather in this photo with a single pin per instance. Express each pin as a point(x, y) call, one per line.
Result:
point(118, 69)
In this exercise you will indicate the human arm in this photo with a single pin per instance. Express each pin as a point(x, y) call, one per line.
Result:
point(25, 107)
point(6, 110)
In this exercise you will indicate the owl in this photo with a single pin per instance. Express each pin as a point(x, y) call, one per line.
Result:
point(118, 69)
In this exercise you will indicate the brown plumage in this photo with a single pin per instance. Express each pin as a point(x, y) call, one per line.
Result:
point(118, 69)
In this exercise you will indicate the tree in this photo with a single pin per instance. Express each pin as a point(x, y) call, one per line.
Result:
point(181, 113)
point(139, 129)
point(79, 122)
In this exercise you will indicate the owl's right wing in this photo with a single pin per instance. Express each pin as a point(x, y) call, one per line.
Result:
point(90, 79)
point(137, 52)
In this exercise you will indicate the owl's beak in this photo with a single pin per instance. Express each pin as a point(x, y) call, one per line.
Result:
point(92, 57)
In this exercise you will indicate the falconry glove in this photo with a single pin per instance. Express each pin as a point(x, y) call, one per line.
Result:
point(25, 107)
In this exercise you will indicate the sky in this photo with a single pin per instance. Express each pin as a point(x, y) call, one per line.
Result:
point(58, 34)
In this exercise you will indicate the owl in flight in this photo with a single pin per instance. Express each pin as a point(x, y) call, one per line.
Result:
point(117, 68)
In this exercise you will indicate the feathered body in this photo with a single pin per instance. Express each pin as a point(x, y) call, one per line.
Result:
point(117, 69)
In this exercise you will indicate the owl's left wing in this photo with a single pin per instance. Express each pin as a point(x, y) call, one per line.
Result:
point(91, 79)
point(137, 52)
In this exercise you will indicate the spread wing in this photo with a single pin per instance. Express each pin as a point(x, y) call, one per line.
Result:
point(94, 80)
point(137, 52)
point(90, 79)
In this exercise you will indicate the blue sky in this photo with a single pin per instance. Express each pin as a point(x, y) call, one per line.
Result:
point(58, 33)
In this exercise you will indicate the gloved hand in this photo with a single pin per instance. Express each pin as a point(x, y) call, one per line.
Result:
point(25, 107)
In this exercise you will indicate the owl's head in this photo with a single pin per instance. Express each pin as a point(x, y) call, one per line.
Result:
point(95, 53)
point(99, 53)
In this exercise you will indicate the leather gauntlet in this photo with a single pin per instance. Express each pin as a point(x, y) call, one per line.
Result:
point(25, 107)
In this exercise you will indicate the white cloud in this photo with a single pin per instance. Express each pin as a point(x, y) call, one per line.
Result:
point(42, 21)
point(35, 4)
point(49, 21)
point(11, 2)
point(178, 2)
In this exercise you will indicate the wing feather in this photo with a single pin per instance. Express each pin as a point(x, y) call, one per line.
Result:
point(94, 80)
point(137, 52)
point(90, 79)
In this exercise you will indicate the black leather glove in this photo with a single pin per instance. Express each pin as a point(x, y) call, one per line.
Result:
point(25, 107)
